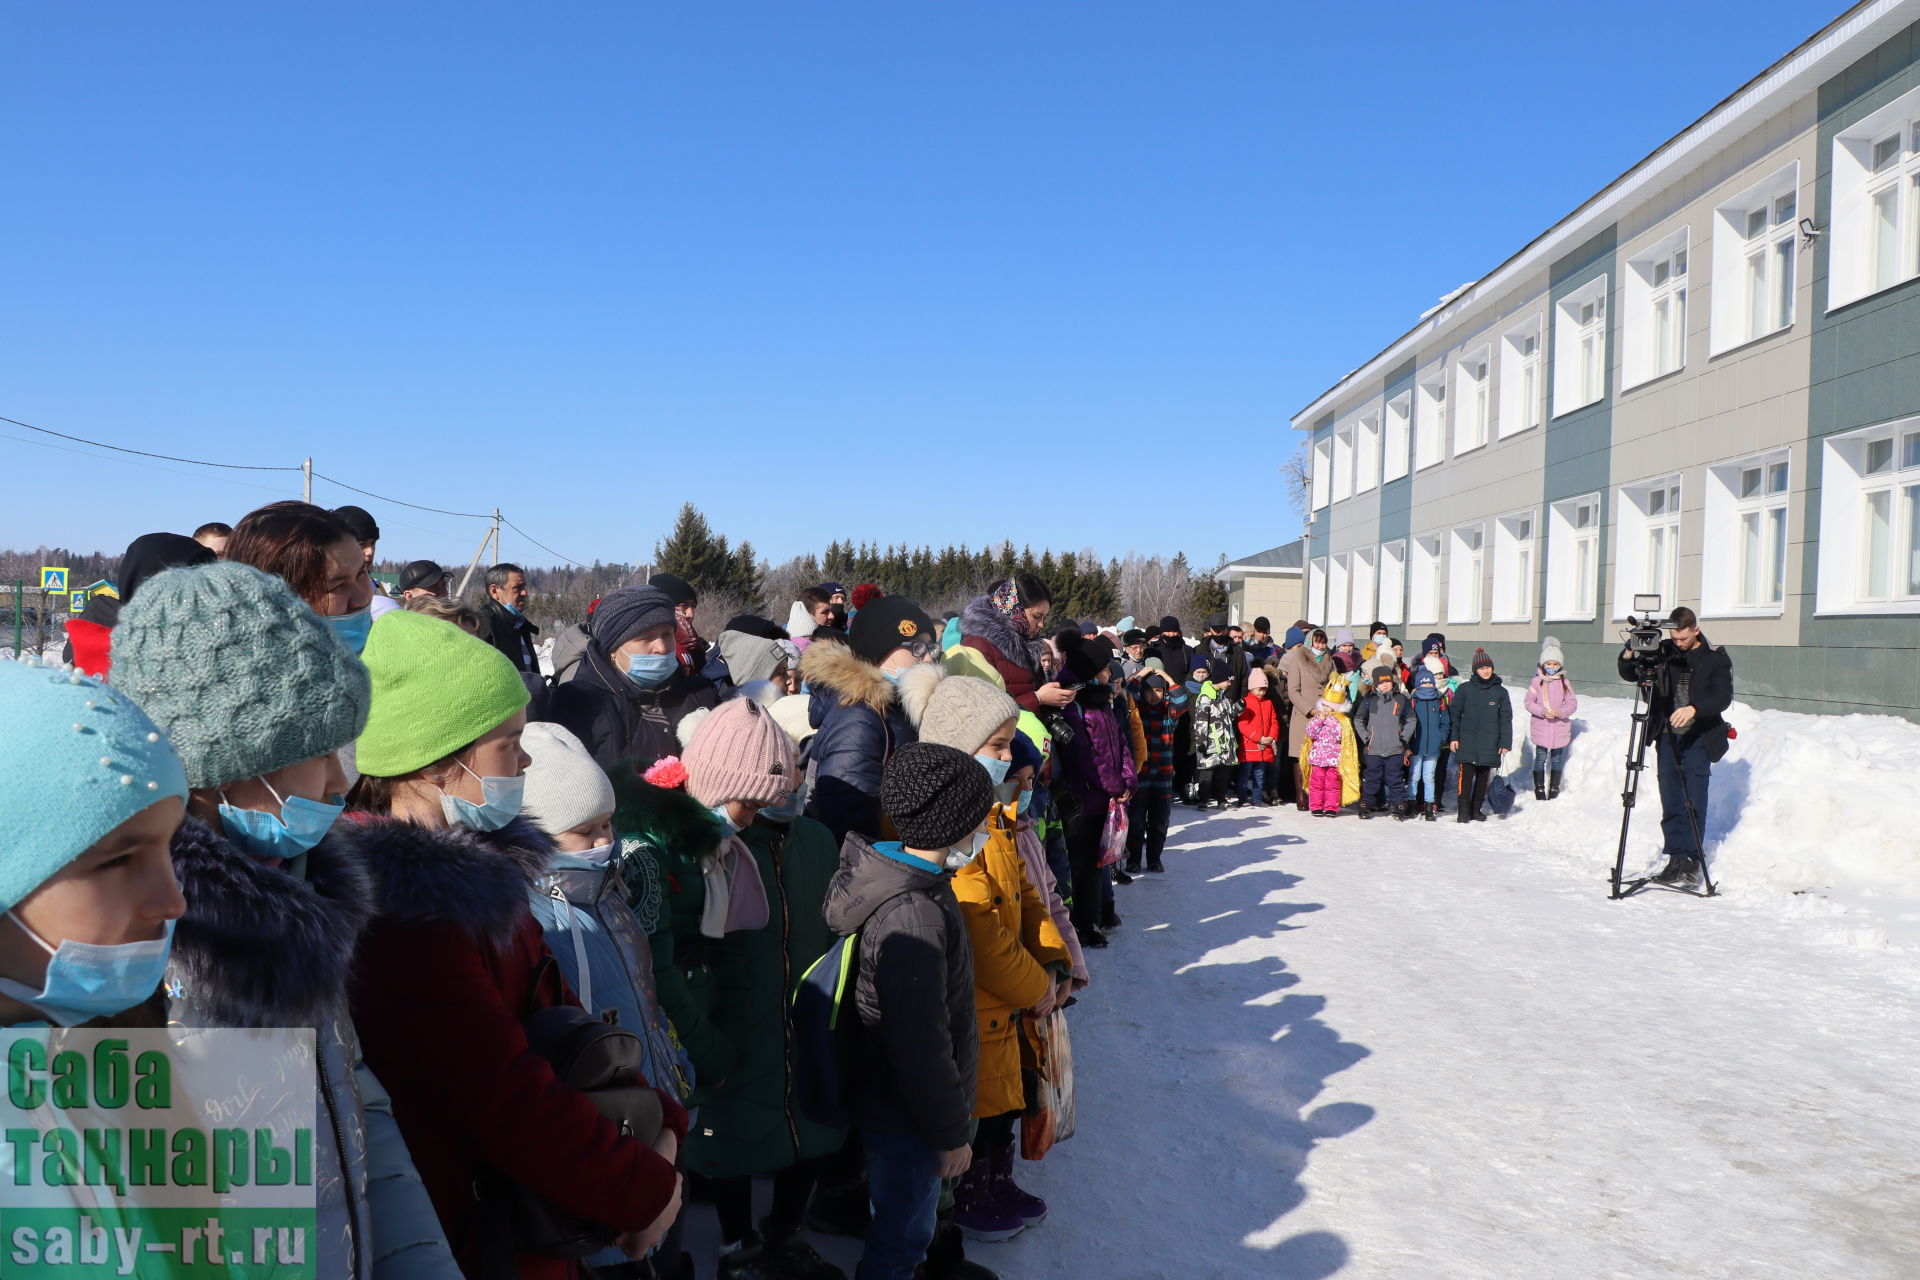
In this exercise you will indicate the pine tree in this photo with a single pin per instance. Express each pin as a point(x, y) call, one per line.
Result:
point(693, 553)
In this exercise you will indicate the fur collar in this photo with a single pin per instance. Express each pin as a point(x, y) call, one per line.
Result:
point(258, 947)
point(853, 680)
point(981, 619)
point(476, 880)
point(665, 817)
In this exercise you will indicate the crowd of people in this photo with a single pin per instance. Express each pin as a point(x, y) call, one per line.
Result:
point(264, 792)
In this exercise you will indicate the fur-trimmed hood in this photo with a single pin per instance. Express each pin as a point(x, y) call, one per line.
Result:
point(981, 619)
point(850, 679)
point(476, 880)
point(259, 947)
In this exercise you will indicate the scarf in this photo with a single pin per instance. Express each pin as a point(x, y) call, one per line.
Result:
point(1006, 602)
point(736, 899)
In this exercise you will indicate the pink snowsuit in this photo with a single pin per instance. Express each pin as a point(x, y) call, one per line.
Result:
point(1323, 779)
point(1556, 692)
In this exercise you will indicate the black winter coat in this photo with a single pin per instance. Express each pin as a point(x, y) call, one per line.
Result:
point(618, 720)
point(511, 634)
point(1482, 721)
point(1701, 678)
point(919, 1057)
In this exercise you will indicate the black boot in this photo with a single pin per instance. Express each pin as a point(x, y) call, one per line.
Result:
point(1431, 811)
point(1121, 877)
point(792, 1257)
point(1680, 871)
point(1366, 810)
point(1539, 786)
point(947, 1257)
point(1463, 812)
point(1553, 785)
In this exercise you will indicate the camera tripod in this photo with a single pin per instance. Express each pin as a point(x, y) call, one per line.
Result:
point(1638, 736)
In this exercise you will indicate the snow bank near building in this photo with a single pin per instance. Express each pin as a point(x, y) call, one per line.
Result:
point(1816, 815)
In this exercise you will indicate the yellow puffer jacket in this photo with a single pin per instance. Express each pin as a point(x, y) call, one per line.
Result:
point(1014, 940)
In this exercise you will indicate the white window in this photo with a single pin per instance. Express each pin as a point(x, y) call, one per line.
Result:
point(1647, 560)
point(1756, 239)
point(1399, 434)
point(1870, 521)
point(1342, 463)
point(1366, 453)
point(1573, 559)
point(1423, 605)
point(1469, 567)
point(1743, 556)
point(1521, 385)
point(1317, 588)
point(1654, 328)
point(1339, 576)
point(1874, 235)
point(1580, 348)
point(1430, 421)
point(1393, 583)
point(1473, 392)
point(1322, 472)
point(1361, 609)
point(1514, 565)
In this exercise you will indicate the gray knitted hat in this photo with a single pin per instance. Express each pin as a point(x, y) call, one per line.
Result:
point(937, 796)
point(565, 788)
point(239, 670)
point(954, 711)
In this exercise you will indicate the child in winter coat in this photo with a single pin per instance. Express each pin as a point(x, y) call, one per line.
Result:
point(1326, 735)
point(1482, 734)
point(1216, 740)
point(1385, 727)
point(1259, 728)
point(1433, 729)
point(1551, 704)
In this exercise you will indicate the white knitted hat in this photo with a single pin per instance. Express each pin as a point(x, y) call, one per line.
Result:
point(565, 788)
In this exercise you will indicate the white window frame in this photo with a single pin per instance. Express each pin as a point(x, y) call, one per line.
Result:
point(1516, 565)
point(1756, 262)
point(1343, 462)
point(1580, 373)
point(1397, 441)
point(1466, 584)
point(1865, 174)
point(1363, 584)
point(1523, 377)
point(1393, 582)
point(1472, 399)
point(1748, 538)
point(1426, 576)
point(1847, 485)
point(1366, 452)
point(1317, 589)
point(1653, 329)
point(1640, 518)
point(1339, 576)
point(1430, 420)
point(1573, 583)
point(1322, 472)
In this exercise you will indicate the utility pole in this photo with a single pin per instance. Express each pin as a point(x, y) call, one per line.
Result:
point(498, 554)
point(306, 477)
point(493, 536)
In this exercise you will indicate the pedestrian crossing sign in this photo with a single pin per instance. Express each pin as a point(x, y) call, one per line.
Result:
point(76, 601)
point(53, 581)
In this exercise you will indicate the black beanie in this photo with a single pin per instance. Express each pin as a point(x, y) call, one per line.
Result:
point(1084, 660)
point(753, 624)
point(1481, 658)
point(677, 588)
point(1169, 623)
point(884, 624)
point(935, 796)
point(1134, 636)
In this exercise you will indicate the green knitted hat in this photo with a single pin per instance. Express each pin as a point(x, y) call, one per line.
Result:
point(436, 689)
point(239, 670)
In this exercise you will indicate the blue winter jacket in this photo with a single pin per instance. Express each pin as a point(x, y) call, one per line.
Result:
point(1434, 726)
point(859, 724)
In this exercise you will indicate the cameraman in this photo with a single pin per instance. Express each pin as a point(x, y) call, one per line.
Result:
point(1692, 686)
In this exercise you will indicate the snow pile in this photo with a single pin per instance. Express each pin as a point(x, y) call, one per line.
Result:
point(1806, 812)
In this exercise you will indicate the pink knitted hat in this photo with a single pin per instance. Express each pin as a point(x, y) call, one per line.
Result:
point(739, 752)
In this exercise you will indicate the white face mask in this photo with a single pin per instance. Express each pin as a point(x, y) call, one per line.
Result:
point(961, 855)
point(594, 859)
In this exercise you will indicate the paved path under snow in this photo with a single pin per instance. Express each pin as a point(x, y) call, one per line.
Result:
point(1410, 1050)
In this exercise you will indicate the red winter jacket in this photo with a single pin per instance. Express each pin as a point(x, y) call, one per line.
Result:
point(1257, 720)
point(996, 639)
point(441, 982)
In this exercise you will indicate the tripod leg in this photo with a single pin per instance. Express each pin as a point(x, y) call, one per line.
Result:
point(1629, 792)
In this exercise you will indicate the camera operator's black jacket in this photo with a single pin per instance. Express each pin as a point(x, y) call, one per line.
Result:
point(1704, 674)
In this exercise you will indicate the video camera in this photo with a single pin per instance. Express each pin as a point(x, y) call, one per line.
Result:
point(1644, 634)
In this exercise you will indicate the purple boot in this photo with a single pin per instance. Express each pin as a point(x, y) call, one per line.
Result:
point(1031, 1209)
point(978, 1213)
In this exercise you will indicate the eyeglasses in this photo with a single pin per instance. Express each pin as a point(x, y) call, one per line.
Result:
point(922, 647)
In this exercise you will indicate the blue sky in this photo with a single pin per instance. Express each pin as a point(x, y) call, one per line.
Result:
point(1056, 272)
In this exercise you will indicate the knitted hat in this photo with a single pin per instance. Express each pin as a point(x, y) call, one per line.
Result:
point(1155, 682)
point(740, 752)
point(1550, 652)
point(1425, 686)
point(964, 660)
point(79, 759)
point(565, 788)
point(955, 711)
point(936, 796)
point(1381, 673)
point(793, 714)
point(884, 624)
point(1199, 667)
point(1294, 636)
point(863, 595)
point(1034, 730)
point(1084, 660)
point(750, 657)
point(1481, 658)
point(239, 670)
point(1025, 754)
point(1343, 636)
point(1433, 641)
point(1169, 623)
point(676, 588)
point(625, 613)
point(436, 690)
point(1256, 679)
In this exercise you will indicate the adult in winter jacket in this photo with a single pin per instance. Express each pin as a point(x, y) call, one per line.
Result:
point(1692, 688)
point(258, 696)
point(1008, 625)
point(1387, 731)
point(919, 1044)
point(629, 691)
point(1482, 733)
point(90, 633)
point(856, 717)
point(1097, 763)
point(508, 629)
point(1307, 668)
point(454, 961)
point(1219, 647)
point(1551, 703)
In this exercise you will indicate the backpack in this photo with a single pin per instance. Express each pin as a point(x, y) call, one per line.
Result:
point(826, 1032)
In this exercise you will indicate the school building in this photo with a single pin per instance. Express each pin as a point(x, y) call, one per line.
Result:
point(1703, 385)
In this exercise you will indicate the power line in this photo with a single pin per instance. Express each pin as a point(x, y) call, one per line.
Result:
point(230, 466)
point(470, 515)
point(536, 542)
point(128, 462)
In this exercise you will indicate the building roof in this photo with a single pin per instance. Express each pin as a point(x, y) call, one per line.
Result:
point(1289, 558)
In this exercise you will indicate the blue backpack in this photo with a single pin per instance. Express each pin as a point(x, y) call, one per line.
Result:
point(826, 1034)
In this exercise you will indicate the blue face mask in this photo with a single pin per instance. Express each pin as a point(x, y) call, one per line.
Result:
point(651, 670)
point(302, 824)
point(726, 819)
point(510, 608)
point(352, 628)
point(499, 804)
point(594, 859)
point(996, 769)
point(792, 807)
point(85, 980)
